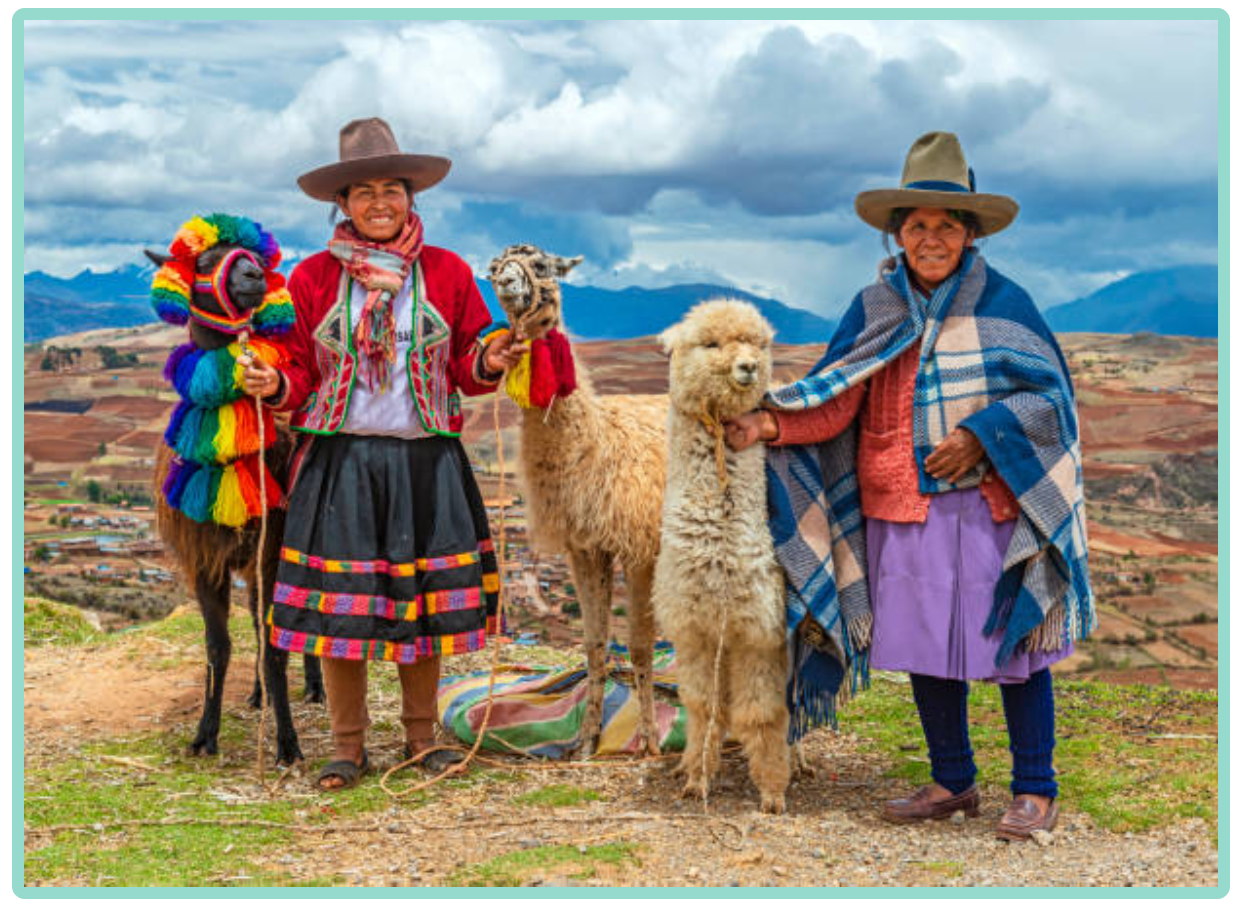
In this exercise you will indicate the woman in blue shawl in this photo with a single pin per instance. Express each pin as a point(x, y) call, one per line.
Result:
point(925, 493)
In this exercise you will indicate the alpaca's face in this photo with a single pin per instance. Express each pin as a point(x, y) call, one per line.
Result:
point(525, 280)
point(720, 358)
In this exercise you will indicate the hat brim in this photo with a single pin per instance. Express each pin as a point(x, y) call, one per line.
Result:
point(994, 212)
point(423, 171)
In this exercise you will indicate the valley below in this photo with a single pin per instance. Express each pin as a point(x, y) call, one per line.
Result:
point(96, 405)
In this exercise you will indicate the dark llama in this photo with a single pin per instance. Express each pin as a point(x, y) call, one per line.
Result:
point(219, 277)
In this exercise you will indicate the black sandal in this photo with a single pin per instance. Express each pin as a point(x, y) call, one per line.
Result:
point(348, 771)
point(435, 761)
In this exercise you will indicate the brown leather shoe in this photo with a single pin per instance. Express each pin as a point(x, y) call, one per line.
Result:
point(920, 807)
point(1024, 817)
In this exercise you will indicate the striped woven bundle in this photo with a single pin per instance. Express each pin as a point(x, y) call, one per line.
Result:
point(538, 710)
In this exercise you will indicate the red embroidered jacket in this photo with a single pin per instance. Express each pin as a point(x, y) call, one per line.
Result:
point(449, 313)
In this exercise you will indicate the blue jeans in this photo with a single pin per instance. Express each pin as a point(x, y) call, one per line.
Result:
point(1029, 714)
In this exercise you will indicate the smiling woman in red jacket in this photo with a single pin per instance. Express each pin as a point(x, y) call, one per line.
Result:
point(387, 554)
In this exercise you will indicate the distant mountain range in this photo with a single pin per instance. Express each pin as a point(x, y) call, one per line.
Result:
point(1174, 301)
point(119, 299)
point(599, 314)
point(61, 306)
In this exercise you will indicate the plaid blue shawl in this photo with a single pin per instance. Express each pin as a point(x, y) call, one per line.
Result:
point(987, 362)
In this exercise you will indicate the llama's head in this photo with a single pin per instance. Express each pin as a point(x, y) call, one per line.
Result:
point(219, 275)
point(525, 280)
point(720, 358)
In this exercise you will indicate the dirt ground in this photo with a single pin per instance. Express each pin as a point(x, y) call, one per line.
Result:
point(830, 836)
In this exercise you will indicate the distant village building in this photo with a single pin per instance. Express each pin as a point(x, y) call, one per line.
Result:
point(145, 547)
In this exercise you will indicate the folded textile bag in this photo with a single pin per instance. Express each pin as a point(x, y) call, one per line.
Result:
point(538, 710)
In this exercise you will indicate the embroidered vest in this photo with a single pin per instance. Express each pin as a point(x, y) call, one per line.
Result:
point(433, 394)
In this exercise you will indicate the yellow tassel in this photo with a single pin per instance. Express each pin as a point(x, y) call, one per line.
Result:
point(229, 508)
point(225, 438)
point(519, 382)
point(238, 371)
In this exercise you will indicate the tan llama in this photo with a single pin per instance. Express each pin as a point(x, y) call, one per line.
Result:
point(593, 472)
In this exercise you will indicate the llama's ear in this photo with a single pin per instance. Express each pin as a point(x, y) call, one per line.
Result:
point(562, 266)
point(669, 339)
point(157, 258)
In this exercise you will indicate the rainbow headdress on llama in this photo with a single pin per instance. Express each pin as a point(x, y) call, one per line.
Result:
point(214, 476)
point(171, 294)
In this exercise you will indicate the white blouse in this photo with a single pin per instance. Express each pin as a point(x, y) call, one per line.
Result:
point(392, 412)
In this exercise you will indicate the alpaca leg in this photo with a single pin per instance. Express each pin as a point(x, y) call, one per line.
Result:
point(762, 721)
point(642, 638)
point(212, 600)
point(594, 584)
point(705, 718)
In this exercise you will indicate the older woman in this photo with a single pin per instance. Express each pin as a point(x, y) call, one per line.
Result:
point(387, 554)
point(945, 402)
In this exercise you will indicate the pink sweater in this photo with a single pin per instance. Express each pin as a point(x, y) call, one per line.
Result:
point(887, 471)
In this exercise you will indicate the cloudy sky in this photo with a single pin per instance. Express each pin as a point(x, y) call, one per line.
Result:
point(664, 152)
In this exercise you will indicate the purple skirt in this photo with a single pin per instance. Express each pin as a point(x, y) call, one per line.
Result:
point(932, 586)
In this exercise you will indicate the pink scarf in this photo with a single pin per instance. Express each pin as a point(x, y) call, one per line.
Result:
point(380, 268)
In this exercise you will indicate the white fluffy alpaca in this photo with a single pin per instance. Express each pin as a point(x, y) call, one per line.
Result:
point(718, 592)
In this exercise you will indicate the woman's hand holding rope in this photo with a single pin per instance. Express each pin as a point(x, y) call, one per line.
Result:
point(259, 379)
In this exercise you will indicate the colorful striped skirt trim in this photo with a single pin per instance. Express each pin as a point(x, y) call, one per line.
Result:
point(354, 649)
point(387, 553)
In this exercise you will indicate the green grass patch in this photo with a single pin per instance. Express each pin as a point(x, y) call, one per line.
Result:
point(1115, 755)
point(516, 868)
point(557, 795)
point(48, 622)
point(96, 796)
point(86, 790)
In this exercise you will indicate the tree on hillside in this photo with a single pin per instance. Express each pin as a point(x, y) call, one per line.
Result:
point(57, 358)
point(114, 359)
point(94, 491)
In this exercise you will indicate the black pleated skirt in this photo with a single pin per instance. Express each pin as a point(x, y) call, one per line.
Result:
point(387, 553)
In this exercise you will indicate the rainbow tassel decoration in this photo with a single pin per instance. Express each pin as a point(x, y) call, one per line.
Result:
point(214, 432)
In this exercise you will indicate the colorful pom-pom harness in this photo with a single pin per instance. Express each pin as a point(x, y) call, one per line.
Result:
point(214, 429)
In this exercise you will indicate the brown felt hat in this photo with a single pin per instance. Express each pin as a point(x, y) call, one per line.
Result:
point(936, 176)
point(368, 151)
